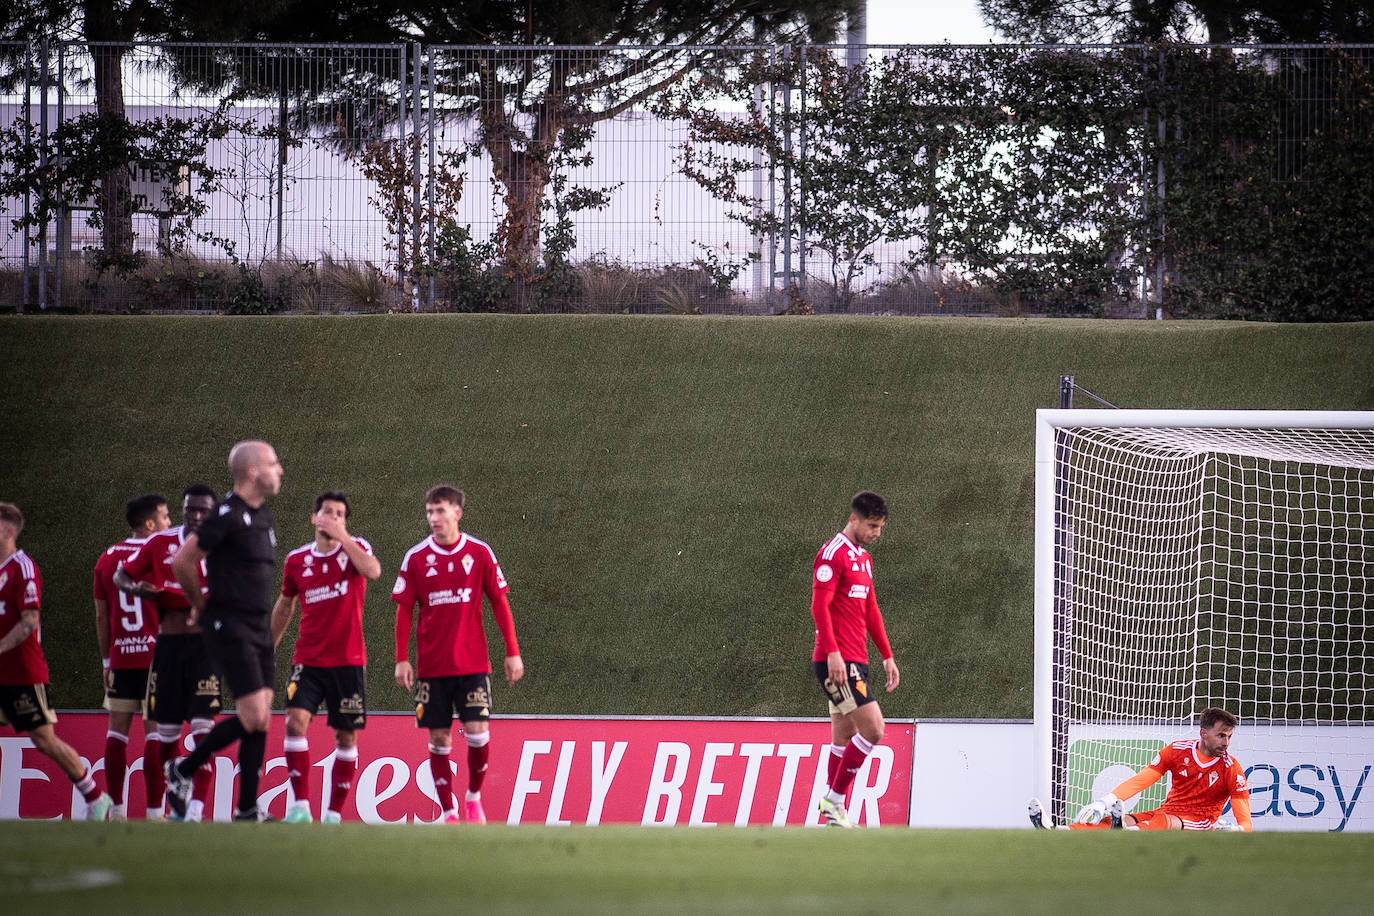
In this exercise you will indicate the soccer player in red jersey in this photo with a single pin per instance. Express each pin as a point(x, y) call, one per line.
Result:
point(845, 609)
point(446, 575)
point(329, 577)
point(1203, 777)
point(24, 670)
point(182, 683)
point(126, 641)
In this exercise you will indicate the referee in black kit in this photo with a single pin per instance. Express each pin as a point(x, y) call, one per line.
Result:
point(239, 549)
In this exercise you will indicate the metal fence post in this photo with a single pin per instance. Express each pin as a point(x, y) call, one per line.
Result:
point(27, 108)
point(430, 126)
point(415, 208)
point(43, 172)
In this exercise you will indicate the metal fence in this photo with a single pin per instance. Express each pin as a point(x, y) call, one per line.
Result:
point(914, 180)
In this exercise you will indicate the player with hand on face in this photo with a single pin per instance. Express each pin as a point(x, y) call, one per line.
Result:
point(446, 576)
point(844, 607)
point(329, 578)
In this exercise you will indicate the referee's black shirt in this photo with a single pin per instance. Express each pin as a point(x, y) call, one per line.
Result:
point(241, 566)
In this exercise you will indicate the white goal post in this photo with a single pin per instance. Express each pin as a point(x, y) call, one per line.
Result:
point(1192, 558)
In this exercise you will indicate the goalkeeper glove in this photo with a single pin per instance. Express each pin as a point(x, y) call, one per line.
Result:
point(1094, 813)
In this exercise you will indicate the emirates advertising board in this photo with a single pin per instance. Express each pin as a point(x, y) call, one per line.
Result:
point(654, 772)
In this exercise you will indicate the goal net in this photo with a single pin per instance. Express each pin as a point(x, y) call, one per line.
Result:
point(1187, 559)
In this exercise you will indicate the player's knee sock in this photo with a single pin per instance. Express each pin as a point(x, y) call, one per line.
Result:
point(225, 733)
point(252, 749)
point(1159, 821)
point(832, 763)
point(86, 785)
point(116, 761)
point(297, 750)
point(205, 773)
point(855, 753)
point(341, 777)
point(152, 768)
point(439, 769)
point(1103, 824)
point(478, 751)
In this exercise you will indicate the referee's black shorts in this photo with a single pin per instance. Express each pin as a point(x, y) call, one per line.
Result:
point(240, 645)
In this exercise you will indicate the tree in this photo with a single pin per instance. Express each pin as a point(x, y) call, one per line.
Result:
point(1212, 21)
point(1008, 165)
point(546, 68)
point(106, 28)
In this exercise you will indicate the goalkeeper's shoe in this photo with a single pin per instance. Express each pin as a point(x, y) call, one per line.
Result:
point(1115, 813)
point(1036, 812)
point(834, 814)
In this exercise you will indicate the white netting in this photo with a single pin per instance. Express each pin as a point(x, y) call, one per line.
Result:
point(1216, 567)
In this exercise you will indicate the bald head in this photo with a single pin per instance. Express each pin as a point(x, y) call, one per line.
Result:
point(256, 470)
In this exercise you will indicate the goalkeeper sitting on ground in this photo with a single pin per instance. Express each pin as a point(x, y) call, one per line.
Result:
point(1203, 777)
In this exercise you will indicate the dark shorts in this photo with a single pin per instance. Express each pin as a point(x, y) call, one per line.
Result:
point(438, 698)
point(853, 693)
point(240, 646)
point(126, 689)
point(24, 707)
point(342, 691)
point(182, 684)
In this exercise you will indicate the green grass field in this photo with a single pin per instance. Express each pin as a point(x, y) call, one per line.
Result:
point(655, 487)
point(272, 868)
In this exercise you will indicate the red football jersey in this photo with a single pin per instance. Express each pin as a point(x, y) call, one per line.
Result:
point(133, 620)
point(21, 589)
point(448, 584)
point(153, 563)
point(331, 591)
point(1198, 788)
point(844, 604)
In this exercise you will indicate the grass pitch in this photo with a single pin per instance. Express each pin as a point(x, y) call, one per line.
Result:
point(272, 868)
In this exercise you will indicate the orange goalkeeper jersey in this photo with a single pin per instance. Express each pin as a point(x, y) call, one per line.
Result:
point(1198, 788)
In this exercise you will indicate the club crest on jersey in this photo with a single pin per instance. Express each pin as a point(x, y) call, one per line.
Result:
point(467, 564)
point(342, 561)
point(4, 577)
point(247, 520)
point(309, 560)
point(1212, 778)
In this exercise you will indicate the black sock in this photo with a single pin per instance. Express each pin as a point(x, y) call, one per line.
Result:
point(225, 733)
point(252, 748)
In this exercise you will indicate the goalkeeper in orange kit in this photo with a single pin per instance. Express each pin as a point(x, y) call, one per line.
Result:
point(1203, 776)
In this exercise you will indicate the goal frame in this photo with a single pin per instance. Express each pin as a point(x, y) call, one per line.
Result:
point(1047, 424)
